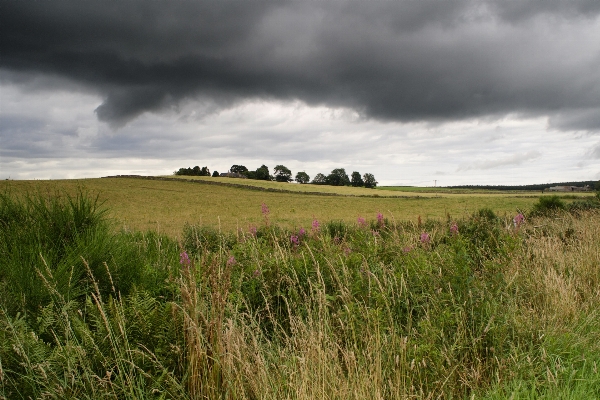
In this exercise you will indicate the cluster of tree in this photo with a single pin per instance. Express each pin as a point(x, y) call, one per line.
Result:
point(196, 171)
point(338, 177)
point(281, 173)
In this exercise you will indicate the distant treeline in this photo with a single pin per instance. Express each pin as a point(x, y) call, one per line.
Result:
point(540, 187)
point(337, 177)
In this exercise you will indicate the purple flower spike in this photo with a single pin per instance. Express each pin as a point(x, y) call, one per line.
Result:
point(301, 232)
point(361, 222)
point(315, 225)
point(231, 261)
point(518, 220)
point(265, 210)
point(294, 239)
point(184, 259)
point(379, 218)
point(252, 230)
point(454, 229)
point(425, 237)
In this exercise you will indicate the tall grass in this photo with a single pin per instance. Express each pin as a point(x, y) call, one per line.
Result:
point(482, 307)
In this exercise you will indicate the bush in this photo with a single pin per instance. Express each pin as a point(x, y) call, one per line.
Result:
point(547, 205)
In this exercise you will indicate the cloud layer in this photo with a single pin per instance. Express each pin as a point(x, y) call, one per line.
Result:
point(403, 61)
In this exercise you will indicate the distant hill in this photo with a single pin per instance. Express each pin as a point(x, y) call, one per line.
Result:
point(539, 187)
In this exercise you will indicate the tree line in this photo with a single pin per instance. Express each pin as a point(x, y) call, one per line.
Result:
point(337, 177)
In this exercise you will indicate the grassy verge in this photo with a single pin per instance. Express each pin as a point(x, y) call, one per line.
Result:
point(475, 307)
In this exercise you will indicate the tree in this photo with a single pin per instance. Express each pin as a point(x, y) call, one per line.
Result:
point(238, 169)
point(319, 179)
point(338, 177)
point(302, 177)
point(215, 174)
point(204, 171)
point(262, 173)
point(370, 181)
point(282, 174)
point(357, 181)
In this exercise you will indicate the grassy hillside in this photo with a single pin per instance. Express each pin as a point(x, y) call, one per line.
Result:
point(166, 206)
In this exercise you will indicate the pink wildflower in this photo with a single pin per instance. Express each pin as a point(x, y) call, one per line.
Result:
point(518, 220)
point(301, 233)
point(379, 219)
point(231, 261)
point(347, 250)
point(407, 249)
point(361, 222)
point(315, 225)
point(454, 229)
point(294, 239)
point(425, 237)
point(265, 210)
point(184, 259)
point(252, 230)
point(256, 273)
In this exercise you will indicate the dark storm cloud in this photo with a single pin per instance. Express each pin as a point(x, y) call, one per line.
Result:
point(390, 60)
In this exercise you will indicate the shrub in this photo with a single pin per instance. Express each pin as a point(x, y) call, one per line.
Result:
point(547, 205)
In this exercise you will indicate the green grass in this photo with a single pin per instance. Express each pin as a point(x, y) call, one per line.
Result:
point(351, 311)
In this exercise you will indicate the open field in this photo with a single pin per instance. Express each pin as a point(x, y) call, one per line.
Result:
point(166, 206)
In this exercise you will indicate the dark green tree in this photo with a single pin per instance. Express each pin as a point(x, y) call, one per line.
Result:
point(370, 181)
point(282, 173)
point(319, 179)
point(338, 177)
point(238, 169)
point(204, 171)
point(215, 174)
point(302, 177)
point(262, 173)
point(357, 180)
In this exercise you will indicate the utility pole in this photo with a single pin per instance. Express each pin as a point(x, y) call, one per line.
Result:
point(435, 183)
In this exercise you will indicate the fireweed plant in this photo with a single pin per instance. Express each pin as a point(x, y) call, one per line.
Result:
point(466, 308)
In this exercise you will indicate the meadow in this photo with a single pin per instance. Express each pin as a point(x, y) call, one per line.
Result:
point(482, 304)
point(166, 206)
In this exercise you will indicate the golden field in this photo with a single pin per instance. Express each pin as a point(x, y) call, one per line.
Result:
point(167, 205)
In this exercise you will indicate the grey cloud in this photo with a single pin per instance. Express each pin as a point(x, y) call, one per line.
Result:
point(515, 159)
point(390, 60)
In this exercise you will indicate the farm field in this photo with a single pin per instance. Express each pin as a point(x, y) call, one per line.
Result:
point(166, 206)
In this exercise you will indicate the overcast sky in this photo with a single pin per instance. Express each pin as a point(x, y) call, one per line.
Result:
point(415, 92)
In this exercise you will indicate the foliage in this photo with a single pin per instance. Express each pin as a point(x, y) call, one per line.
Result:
point(282, 173)
point(196, 171)
point(369, 180)
point(319, 179)
point(215, 174)
point(302, 177)
point(238, 169)
point(547, 205)
point(338, 177)
point(357, 180)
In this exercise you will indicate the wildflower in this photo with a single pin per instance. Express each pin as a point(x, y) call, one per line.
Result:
point(347, 250)
point(337, 240)
point(407, 249)
point(361, 222)
point(375, 233)
point(231, 261)
point(265, 210)
point(425, 237)
point(379, 219)
point(454, 229)
point(256, 273)
point(518, 220)
point(301, 233)
point(315, 225)
point(252, 230)
point(184, 259)
point(294, 239)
